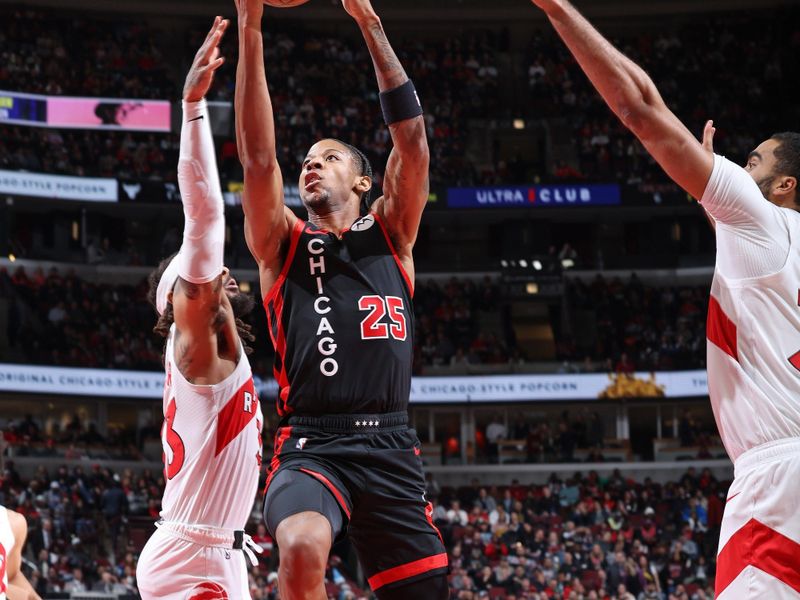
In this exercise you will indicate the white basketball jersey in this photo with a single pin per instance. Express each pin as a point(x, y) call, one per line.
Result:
point(753, 332)
point(212, 447)
point(6, 545)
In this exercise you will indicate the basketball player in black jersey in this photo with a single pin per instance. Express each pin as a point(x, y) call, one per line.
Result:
point(337, 290)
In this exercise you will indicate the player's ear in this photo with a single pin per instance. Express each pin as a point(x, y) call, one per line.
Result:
point(787, 187)
point(363, 184)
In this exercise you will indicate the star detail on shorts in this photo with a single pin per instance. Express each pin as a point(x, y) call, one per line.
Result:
point(358, 423)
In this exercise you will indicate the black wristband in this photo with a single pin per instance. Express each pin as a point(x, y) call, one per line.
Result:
point(400, 104)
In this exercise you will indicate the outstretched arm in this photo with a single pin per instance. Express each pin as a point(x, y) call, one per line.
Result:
point(405, 183)
point(195, 277)
point(633, 97)
point(266, 221)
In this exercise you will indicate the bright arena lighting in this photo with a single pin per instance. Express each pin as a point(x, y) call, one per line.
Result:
point(537, 265)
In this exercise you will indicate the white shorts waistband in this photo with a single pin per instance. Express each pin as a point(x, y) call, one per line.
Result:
point(205, 535)
point(213, 537)
point(771, 451)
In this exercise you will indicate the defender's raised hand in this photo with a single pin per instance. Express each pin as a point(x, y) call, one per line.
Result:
point(708, 136)
point(206, 62)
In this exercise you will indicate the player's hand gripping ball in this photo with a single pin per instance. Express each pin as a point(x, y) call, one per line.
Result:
point(284, 3)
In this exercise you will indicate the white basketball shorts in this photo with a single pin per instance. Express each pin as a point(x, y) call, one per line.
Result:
point(759, 544)
point(174, 568)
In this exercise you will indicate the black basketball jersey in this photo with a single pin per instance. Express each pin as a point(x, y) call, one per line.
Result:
point(341, 320)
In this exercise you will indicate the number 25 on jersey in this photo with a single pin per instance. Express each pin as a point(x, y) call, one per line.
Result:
point(372, 327)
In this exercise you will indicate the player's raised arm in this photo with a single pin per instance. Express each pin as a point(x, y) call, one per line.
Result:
point(266, 221)
point(633, 97)
point(193, 281)
point(405, 183)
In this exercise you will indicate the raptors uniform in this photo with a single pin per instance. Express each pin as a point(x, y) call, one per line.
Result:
point(754, 382)
point(341, 320)
point(212, 457)
point(6, 546)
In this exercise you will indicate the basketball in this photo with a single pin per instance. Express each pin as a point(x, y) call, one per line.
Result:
point(284, 3)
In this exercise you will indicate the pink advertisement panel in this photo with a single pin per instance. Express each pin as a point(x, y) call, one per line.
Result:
point(108, 113)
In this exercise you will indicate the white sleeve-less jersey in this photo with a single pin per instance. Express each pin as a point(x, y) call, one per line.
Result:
point(6, 545)
point(212, 447)
point(753, 325)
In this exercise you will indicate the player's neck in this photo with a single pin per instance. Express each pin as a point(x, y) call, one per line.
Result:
point(334, 221)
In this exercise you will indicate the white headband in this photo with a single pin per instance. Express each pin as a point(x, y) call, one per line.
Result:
point(166, 283)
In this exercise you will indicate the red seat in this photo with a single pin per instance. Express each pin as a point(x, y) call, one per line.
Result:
point(497, 592)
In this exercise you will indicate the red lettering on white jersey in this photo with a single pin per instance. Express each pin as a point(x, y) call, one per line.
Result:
point(234, 416)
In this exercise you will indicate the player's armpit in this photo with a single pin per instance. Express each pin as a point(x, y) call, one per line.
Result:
point(268, 244)
point(196, 309)
point(733, 198)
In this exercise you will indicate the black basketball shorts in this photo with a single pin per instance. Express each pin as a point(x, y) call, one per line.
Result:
point(371, 466)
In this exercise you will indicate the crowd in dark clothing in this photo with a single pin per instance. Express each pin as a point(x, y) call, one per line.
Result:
point(75, 520)
point(627, 326)
point(450, 327)
point(587, 537)
point(612, 326)
point(690, 64)
point(322, 86)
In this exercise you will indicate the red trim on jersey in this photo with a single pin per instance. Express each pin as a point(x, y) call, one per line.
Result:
point(275, 296)
point(284, 433)
point(280, 348)
point(294, 238)
point(400, 266)
point(720, 330)
point(429, 519)
point(326, 482)
point(234, 417)
point(762, 547)
point(794, 359)
point(423, 565)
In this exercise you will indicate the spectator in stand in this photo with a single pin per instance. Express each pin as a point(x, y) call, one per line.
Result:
point(457, 515)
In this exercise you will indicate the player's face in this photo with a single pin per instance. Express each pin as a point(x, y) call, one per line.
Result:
point(328, 175)
point(229, 283)
point(761, 167)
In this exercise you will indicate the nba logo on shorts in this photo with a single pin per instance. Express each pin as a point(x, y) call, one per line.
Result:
point(208, 591)
point(301, 443)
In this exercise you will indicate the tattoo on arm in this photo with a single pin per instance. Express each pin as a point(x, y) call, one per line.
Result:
point(183, 356)
point(389, 71)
